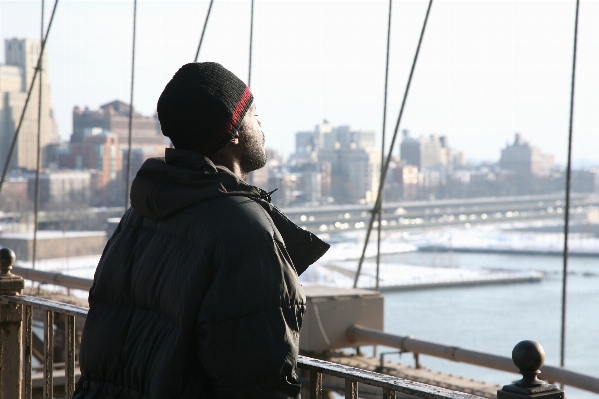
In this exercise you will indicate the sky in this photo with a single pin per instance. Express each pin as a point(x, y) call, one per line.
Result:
point(487, 69)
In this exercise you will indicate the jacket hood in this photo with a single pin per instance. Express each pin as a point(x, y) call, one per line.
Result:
point(164, 186)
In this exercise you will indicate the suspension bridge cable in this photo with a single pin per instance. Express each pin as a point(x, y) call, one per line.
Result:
point(378, 242)
point(39, 144)
point(377, 204)
point(130, 139)
point(203, 31)
point(568, 189)
point(31, 85)
point(251, 41)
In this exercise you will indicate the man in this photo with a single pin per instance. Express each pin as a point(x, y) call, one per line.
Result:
point(197, 293)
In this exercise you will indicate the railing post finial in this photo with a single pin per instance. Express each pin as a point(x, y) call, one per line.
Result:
point(11, 316)
point(10, 284)
point(529, 357)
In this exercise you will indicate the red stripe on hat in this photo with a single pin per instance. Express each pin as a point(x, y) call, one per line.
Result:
point(233, 122)
point(241, 105)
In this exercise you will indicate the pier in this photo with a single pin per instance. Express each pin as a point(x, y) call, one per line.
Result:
point(395, 277)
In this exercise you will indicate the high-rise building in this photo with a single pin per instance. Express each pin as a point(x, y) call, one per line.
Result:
point(403, 184)
point(308, 143)
point(525, 169)
point(349, 156)
point(100, 152)
point(432, 152)
point(114, 117)
point(61, 188)
point(523, 158)
point(21, 57)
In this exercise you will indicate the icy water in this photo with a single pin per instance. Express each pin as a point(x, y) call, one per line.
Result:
point(493, 319)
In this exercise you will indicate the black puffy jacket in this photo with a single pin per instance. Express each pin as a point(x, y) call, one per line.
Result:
point(197, 293)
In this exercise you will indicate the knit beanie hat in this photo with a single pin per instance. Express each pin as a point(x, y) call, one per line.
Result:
point(203, 106)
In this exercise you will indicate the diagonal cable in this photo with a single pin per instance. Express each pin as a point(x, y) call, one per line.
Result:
point(130, 138)
point(38, 156)
point(378, 241)
point(568, 189)
point(31, 85)
point(251, 42)
point(377, 204)
point(203, 31)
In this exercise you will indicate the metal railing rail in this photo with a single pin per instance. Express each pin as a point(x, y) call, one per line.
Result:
point(389, 384)
point(60, 279)
point(46, 304)
point(409, 344)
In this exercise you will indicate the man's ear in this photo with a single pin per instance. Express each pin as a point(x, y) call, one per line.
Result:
point(235, 140)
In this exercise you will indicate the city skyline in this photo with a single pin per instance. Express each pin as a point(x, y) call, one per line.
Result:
point(487, 69)
point(422, 151)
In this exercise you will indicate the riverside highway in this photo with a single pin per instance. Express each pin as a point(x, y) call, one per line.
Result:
point(436, 213)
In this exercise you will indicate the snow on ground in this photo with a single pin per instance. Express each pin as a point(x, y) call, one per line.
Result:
point(79, 266)
point(492, 238)
point(350, 246)
point(400, 276)
point(338, 266)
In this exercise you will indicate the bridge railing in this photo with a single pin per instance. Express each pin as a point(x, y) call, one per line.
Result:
point(16, 349)
point(16, 346)
point(16, 358)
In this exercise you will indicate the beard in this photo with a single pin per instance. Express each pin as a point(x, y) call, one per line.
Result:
point(254, 156)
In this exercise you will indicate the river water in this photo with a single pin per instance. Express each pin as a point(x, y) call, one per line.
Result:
point(494, 318)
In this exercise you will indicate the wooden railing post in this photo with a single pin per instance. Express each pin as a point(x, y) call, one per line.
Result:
point(388, 393)
point(11, 318)
point(315, 385)
point(529, 356)
point(351, 389)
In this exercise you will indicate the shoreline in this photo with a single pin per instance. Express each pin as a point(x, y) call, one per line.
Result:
point(507, 251)
point(403, 277)
point(464, 283)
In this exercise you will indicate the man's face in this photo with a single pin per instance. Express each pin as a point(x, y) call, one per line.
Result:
point(252, 139)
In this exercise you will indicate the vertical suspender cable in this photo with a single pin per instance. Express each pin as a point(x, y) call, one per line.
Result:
point(251, 42)
point(568, 188)
point(378, 243)
point(39, 144)
point(387, 161)
point(203, 31)
point(31, 85)
point(129, 155)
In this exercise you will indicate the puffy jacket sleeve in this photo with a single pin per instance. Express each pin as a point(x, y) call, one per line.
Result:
point(249, 322)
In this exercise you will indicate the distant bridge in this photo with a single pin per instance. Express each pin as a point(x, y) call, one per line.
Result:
point(430, 214)
point(397, 215)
